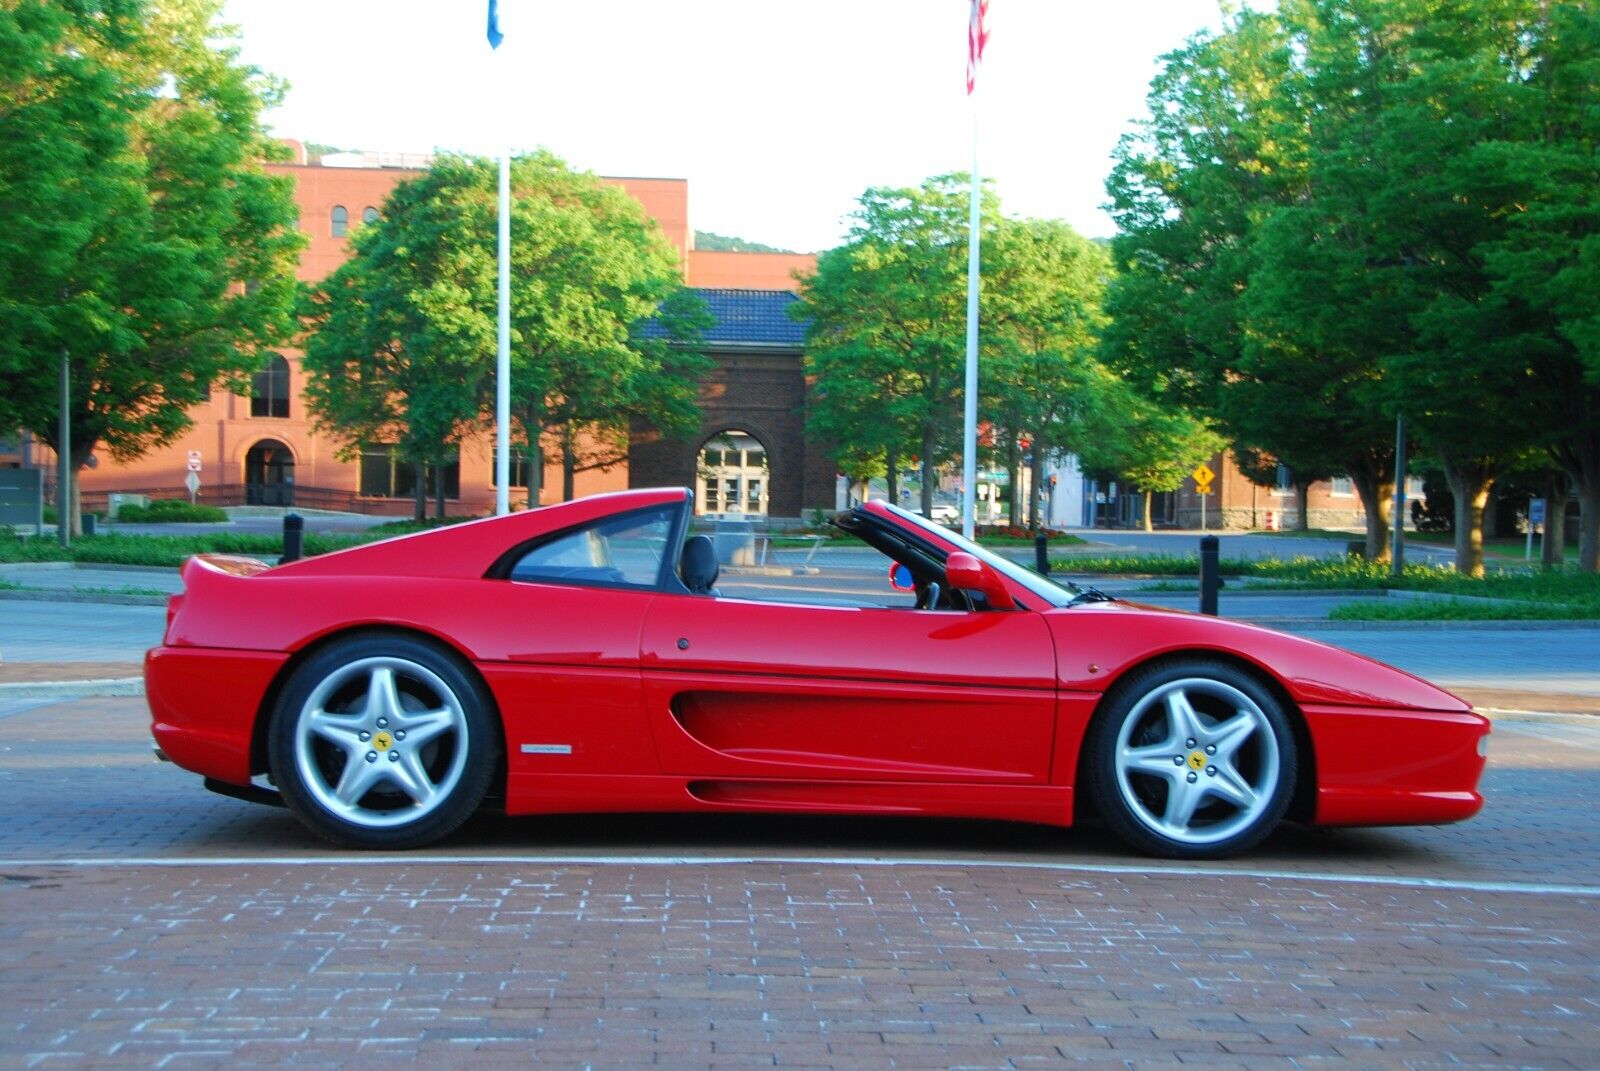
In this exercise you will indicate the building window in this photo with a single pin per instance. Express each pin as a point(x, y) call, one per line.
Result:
point(1342, 487)
point(341, 220)
point(521, 468)
point(384, 474)
point(1285, 484)
point(269, 396)
point(369, 215)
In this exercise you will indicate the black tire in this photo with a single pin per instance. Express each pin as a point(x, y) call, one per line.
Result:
point(416, 719)
point(1205, 784)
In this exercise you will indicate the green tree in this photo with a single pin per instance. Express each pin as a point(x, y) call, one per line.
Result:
point(395, 350)
point(1149, 443)
point(603, 332)
point(1204, 315)
point(144, 244)
point(887, 339)
point(1041, 381)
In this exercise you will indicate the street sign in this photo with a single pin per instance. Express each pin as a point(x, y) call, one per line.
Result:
point(1536, 513)
point(1202, 474)
point(194, 461)
point(192, 482)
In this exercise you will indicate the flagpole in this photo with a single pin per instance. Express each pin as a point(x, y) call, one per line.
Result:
point(502, 371)
point(977, 35)
point(502, 386)
point(969, 441)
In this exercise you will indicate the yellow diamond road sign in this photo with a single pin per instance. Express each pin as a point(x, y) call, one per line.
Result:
point(1202, 474)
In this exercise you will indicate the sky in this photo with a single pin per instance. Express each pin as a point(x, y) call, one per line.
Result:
point(779, 113)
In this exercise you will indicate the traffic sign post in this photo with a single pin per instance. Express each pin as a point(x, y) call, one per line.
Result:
point(1202, 486)
point(192, 482)
point(1535, 520)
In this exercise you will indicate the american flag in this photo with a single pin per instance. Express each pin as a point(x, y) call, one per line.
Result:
point(977, 37)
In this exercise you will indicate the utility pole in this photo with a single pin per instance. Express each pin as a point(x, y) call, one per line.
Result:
point(1397, 553)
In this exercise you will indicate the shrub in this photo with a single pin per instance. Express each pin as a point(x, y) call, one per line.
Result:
point(170, 511)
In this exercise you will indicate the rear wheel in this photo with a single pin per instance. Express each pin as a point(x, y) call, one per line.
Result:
point(1192, 759)
point(383, 742)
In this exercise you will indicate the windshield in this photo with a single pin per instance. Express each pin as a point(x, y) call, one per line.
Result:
point(1045, 588)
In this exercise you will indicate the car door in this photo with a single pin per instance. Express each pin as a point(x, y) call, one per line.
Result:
point(749, 689)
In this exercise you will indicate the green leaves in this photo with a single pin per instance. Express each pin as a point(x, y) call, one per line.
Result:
point(136, 208)
point(403, 336)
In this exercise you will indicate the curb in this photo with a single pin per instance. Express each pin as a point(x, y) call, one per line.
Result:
point(770, 570)
point(1311, 624)
point(114, 686)
point(71, 595)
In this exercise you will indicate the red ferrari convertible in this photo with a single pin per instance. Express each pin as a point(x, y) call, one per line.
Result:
point(580, 658)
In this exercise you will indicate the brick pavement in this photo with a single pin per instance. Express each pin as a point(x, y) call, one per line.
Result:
point(788, 965)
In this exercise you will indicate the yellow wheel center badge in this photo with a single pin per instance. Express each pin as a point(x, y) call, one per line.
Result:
point(1197, 761)
point(383, 742)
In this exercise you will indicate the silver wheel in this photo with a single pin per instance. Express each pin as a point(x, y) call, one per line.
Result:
point(1196, 761)
point(381, 742)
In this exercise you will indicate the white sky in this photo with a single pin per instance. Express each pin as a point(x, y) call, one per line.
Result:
point(779, 113)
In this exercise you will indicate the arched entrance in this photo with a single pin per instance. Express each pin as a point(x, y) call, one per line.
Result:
point(269, 474)
point(732, 474)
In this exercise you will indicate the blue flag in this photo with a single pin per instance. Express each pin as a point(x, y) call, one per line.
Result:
point(495, 36)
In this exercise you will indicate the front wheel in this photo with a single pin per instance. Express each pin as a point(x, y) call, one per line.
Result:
point(1192, 759)
point(383, 742)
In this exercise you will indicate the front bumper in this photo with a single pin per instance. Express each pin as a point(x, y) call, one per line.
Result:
point(1387, 766)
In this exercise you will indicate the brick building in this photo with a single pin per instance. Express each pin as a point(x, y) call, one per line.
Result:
point(262, 448)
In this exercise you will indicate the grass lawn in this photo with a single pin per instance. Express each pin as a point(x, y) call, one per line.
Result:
point(1535, 594)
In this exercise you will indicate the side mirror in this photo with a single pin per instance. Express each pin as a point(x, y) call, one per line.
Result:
point(964, 571)
point(900, 577)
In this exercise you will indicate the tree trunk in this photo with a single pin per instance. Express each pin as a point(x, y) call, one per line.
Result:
point(534, 430)
point(438, 488)
point(1589, 526)
point(1302, 502)
point(1013, 480)
point(419, 495)
point(569, 468)
point(1377, 498)
point(1149, 525)
point(891, 475)
point(1470, 481)
point(927, 471)
point(1553, 546)
point(1579, 458)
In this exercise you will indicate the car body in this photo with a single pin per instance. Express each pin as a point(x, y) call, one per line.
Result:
point(576, 658)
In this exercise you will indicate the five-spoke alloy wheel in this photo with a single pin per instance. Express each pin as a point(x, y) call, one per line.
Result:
point(383, 741)
point(1192, 759)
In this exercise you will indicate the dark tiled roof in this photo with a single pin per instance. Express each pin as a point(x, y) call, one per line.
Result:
point(759, 316)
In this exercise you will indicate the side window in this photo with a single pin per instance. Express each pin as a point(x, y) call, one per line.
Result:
point(626, 551)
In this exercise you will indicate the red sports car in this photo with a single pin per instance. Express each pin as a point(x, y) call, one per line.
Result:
point(580, 658)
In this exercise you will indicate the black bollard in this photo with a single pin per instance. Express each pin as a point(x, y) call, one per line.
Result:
point(294, 527)
point(1209, 580)
point(1041, 556)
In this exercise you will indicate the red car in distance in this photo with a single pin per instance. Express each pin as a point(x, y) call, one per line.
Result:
point(579, 658)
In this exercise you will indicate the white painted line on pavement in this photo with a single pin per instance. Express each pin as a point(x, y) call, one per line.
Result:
point(1153, 871)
